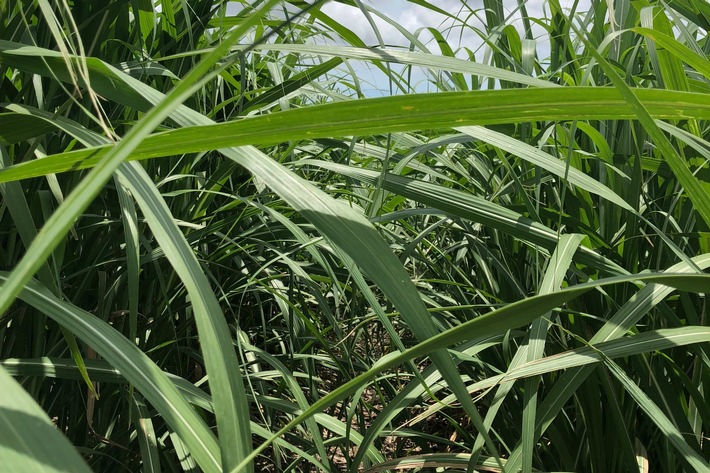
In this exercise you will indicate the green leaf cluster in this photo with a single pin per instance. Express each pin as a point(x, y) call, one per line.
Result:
point(220, 252)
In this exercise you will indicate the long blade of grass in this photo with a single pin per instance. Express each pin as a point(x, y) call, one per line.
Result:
point(471, 207)
point(221, 360)
point(651, 409)
point(388, 114)
point(585, 357)
point(554, 276)
point(102, 371)
point(338, 222)
point(14, 199)
point(216, 343)
point(137, 368)
point(618, 325)
point(646, 342)
point(434, 62)
point(24, 423)
point(547, 162)
point(691, 185)
point(493, 323)
point(147, 439)
point(679, 50)
point(227, 387)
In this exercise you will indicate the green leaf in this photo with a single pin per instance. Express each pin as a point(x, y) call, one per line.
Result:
point(147, 439)
point(554, 276)
point(137, 368)
point(547, 162)
point(652, 410)
point(431, 61)
point(388, 114)
point(618, 325)
point(471, 207)
point(15, 128)
point(28, 439)
point(496, 322)
point(645, 115)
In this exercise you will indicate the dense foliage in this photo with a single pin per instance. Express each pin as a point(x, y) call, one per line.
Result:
point(220, 253)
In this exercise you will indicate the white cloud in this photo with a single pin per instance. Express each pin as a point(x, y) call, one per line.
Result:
point(353, 19)
point(414, 19)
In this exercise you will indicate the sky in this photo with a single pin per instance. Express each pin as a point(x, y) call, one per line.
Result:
point(415, 19)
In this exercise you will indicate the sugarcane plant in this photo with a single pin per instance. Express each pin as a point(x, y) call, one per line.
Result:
point(240, 236)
